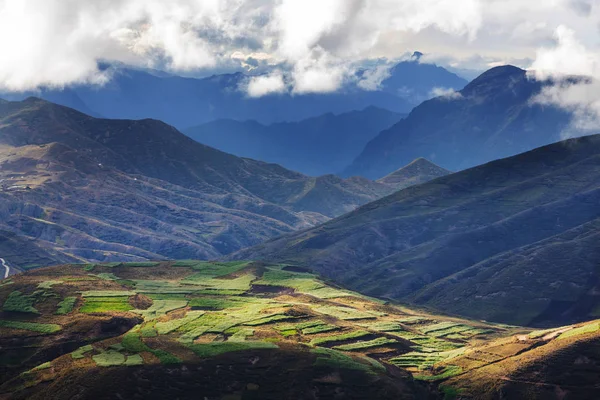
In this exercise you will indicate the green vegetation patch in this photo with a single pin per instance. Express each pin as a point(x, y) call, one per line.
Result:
point(107, 276)
point(145, 264)
point(160, 308)
point(302, 282)
point(80, 352)
point(241, 335)
point(382, 341)
point(133, 360)
point(150, 287)
point(412, 320)
point(212, 303)
point(48, 284)
point(582, 330)
point(19, 302)
point(240, 283)
point(417, 360)
point(31, 326)
point(6, 282)
point(338, 338)
point(347, 313)
point(108, 293)
point(307, 328)
point(384, 326)
point(269, 319)
point(132, 342)
point(66, 305)
point(206, 350)
point(319, 329)
point(43, 366)
point(169, 326)
point(448, 372)
point(439, 326)
point(335, 359)
point(109, 358)
point(105, 304)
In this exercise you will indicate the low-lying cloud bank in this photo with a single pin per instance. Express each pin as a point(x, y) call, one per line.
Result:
point(300, 46)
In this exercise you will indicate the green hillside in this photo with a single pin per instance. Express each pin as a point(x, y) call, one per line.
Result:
point(225, 330)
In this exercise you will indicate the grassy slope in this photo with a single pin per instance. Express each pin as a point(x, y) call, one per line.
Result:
point(139, 320)
point(511, 219)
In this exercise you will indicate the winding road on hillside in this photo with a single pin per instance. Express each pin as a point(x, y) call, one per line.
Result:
point(6, 267)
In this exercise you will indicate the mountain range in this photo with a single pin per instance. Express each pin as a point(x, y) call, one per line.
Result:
point(97, 189)
point(186, 102)
point(316, 146)
point(514, 240)
point(494, 116)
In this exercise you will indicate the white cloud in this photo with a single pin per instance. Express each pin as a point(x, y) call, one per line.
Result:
point(60, 42)
point(580, 95)
point(373, 78)
point(259, 86)
point(447, 93)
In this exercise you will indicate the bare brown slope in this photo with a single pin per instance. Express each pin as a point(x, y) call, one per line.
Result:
point(104, 189)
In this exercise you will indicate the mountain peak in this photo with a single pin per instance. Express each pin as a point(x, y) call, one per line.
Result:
point(501, 72)
point(419, 171)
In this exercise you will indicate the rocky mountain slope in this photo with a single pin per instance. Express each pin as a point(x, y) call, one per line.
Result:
point(256, 331)
point(315, 146)
point(417, 172)
point(514, 240)
point(97, 189)
point(493, 117)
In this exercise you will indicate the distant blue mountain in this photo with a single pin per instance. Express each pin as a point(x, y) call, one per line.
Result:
point(316, 146)
point(186, 102)
point(492, 117)
point(415, 81)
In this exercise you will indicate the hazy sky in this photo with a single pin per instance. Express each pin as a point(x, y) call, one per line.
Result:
point(317, 43)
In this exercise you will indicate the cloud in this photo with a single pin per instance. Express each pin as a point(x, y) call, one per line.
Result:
point(321, 42)
point(575, 71)
point(446, 93)
point(372, 79)
point(259, 86)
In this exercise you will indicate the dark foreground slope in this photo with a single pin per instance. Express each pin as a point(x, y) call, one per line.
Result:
point(515, 240)
point(98, 189)
point(494, 116)
point(218, 331)
point(315, 146)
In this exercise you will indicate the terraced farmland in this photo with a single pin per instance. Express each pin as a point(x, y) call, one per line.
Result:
point(185, 313)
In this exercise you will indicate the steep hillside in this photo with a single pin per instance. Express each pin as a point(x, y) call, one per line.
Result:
point(514, 240)
point(316, 146)
point(417, 172)
point(98, 189)
point(257, 331)
point(492, 117)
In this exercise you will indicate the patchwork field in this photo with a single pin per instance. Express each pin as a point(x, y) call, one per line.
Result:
point(65, 324)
